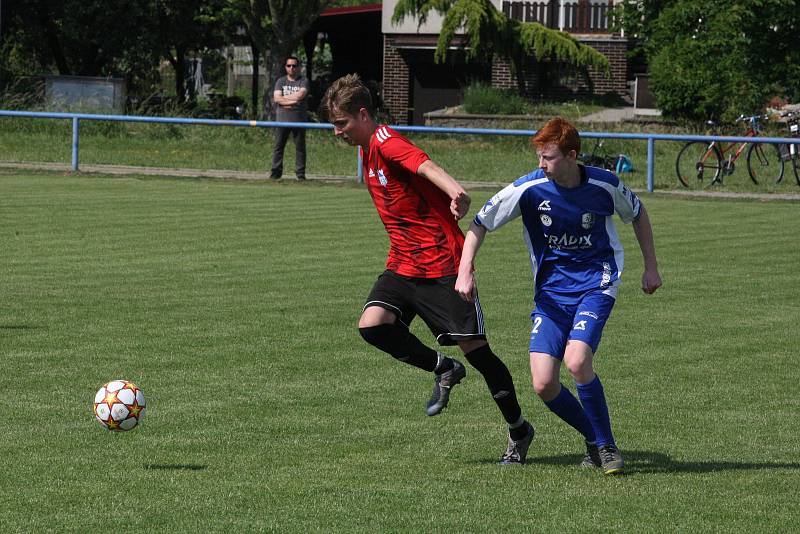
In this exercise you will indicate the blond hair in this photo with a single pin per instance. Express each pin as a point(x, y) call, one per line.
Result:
point(347, 94)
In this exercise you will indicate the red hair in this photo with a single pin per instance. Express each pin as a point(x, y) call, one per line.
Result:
point(558, 132)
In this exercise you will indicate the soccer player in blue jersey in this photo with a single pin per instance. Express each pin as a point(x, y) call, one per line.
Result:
point(567, 215)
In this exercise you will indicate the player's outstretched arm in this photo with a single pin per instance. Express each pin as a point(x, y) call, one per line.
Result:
point(651, 280)
point(459, 199)
point(465, 283)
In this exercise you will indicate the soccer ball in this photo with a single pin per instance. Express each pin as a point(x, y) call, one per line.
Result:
point(119, 405)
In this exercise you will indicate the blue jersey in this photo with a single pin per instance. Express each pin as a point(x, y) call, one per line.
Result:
point(570, 232)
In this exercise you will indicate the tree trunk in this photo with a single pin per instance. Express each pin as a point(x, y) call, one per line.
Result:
point(51, 36)
point(275, 60)
point(230, 88)
point(309, 42)
point(256, 53)
point(288, 21)
point(519, 74)
point(177, 63)
point(269, 105)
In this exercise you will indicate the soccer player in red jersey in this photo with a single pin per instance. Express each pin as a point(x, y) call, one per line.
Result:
point(420, 205)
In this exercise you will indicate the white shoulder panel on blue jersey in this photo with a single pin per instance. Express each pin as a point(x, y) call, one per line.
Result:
point(504, 205)
point(603, 175)
point(626, 203)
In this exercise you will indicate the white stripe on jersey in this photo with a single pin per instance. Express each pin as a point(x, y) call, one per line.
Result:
point(619, 256)
point(626, 204)
point(599, 183)
point(382, 134)
point(504, 206)
point(531, 252)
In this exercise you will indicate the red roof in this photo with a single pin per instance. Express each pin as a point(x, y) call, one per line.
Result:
point(333, 11)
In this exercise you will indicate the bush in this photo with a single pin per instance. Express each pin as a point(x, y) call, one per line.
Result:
point(716, 59)
point(483, 99)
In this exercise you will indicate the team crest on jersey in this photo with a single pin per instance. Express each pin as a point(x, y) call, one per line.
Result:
point(546, 220)
point(544, 205)
point(587, 221)
point(371, 173)
point(382, 178)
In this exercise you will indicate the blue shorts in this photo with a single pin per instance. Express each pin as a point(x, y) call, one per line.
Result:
point(554, 323)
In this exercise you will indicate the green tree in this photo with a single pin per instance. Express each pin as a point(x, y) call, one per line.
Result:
point(59, 38)
point(350, 3)
point(100, 38)
point(636, 18)
point(275, 28)
point(254, 15)
point(490, 33)
point(718, 58)
point(184, 26)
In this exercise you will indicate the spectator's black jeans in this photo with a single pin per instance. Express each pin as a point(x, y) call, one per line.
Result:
point(281, 136)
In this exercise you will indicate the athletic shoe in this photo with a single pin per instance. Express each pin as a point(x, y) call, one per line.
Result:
point(611, 459)
point(274, 176)
point(301, 178)
point(442, 386)
point(592, 458)
point(518, 450)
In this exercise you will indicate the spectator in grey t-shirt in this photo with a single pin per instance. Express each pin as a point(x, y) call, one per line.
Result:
point(290, 99)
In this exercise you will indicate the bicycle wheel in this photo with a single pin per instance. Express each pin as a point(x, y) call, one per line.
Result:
point(764, 163)
point(796, 166)
point(699, 165)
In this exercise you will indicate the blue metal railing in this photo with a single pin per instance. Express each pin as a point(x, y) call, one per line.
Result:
point(649, 137)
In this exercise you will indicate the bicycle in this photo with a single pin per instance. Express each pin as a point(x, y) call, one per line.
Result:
point(700, 164)
point(599, 157)
point(791, 152)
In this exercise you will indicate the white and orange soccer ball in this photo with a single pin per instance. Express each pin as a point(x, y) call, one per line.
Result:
point(119, 405)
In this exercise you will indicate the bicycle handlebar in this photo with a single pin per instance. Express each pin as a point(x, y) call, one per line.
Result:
point(752, 118)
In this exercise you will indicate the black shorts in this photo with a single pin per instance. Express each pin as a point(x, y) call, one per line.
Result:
point(448, 316)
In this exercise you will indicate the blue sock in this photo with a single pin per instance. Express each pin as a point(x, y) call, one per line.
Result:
point(593, 399)
point(567, 407)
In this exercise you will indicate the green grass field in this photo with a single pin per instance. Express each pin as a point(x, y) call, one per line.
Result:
point(233, 305)
point(471, 158)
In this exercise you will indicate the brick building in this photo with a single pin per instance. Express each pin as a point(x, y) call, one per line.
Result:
point(413, 84)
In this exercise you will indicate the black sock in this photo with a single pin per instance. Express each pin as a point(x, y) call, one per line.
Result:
point(445, 364)
point(498, 378)
point(397, 341)
point(519, 432)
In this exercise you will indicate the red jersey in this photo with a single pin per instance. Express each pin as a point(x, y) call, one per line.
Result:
point(425, 240)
